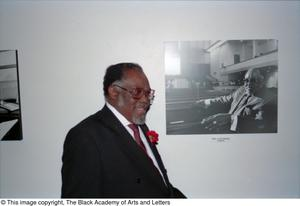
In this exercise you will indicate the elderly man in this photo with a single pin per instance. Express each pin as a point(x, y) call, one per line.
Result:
point(245, 105)
point(110, 153)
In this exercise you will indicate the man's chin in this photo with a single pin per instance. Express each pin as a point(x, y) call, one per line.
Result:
point(139, 120)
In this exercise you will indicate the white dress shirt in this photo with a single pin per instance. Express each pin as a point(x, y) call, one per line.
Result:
point(125, 123)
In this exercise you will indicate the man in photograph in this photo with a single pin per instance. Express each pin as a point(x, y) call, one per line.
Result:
point(246, 107)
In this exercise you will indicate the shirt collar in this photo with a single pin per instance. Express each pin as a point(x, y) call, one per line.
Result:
point(120, 117)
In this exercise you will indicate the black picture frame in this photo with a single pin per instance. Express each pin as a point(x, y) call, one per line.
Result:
point(10, 101)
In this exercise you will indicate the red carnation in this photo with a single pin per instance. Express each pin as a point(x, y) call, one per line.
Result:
point(153, 136)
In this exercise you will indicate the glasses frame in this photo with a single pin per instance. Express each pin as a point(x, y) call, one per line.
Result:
point(149, 94)
point(250, 81)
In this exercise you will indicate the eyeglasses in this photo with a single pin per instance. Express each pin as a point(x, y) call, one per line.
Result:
point(252, 81)
point(137, 93)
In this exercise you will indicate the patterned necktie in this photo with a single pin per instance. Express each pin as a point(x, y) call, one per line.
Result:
point(136, 134)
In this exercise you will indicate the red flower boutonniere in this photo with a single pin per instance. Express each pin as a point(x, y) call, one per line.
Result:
point(153, 136)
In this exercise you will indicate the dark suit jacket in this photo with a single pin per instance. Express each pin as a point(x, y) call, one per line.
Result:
point(101, 159)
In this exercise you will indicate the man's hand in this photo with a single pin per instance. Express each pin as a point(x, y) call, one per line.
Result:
point(201, 104)
point(217, 122)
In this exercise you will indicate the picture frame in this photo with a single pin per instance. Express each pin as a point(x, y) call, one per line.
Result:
point(204, 81)
point(10, 105)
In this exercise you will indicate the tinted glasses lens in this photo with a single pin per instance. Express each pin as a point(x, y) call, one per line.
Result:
point(137, 93)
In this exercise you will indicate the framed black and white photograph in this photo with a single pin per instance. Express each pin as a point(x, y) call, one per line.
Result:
point(221, 86)
point(10, 114)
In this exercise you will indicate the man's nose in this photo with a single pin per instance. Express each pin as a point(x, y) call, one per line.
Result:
point(145, 97)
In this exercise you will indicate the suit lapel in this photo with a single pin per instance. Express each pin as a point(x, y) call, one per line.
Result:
point(155, 152)
point(128, 145)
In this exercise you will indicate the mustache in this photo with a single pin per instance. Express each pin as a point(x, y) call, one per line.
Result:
point(145, 106)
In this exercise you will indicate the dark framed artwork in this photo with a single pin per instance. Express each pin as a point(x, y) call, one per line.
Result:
point(10, 109)
point(221, 86)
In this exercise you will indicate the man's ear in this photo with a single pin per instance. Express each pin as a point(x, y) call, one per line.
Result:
point(113, 92)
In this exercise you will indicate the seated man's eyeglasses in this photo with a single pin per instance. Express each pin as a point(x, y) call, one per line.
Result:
point(137, 93)
point(252, 81)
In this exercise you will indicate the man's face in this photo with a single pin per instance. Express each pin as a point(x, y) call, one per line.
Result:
point(134, 109)
point(253, 82)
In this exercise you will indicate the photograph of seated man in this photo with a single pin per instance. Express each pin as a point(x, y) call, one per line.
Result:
point(221, 86)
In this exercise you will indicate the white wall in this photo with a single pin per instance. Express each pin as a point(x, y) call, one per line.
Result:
point(64, 48)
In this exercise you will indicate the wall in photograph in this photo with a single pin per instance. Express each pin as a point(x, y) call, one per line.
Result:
point(10, 114)
point(221, 86)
